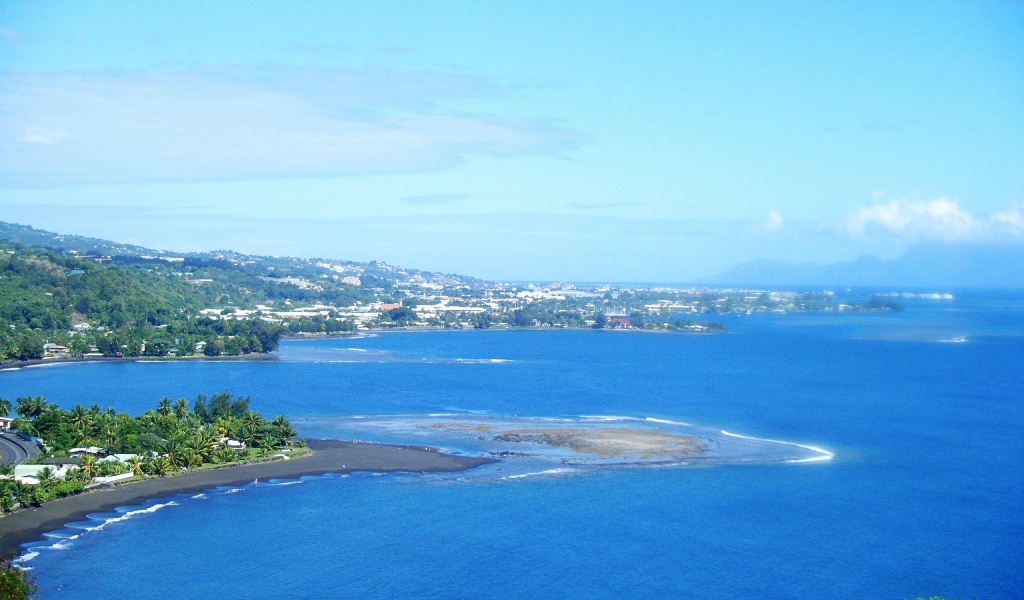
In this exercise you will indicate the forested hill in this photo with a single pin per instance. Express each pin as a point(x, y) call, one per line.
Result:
point(110, 309)
point(378, 275)
point(97, 296)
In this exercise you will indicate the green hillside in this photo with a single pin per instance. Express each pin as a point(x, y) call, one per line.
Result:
point(108, 308)
point(97, 296)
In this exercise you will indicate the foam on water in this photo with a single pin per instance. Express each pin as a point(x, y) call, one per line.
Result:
point(65, 538)
point(128, 515)
point(822, 454)
point(558, 471)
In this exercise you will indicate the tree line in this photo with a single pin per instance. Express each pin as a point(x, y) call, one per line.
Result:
point(113, 310)
point(175, 435)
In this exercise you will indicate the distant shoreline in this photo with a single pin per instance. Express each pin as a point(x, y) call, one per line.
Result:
point(319, 335)
point(310, 336)
point(328, 456)
point(20, 364)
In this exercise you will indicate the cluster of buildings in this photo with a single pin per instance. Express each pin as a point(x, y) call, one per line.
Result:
point(454, 303)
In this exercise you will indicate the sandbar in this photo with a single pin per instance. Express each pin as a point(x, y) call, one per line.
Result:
point(328, 456)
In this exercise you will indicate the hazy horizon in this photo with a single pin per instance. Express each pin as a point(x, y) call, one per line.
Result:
point(534, 142)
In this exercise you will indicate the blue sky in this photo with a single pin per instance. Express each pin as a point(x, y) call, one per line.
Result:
point(596, 142)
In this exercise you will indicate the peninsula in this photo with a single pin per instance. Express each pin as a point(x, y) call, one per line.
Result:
point(327, 456)
point(66, 296)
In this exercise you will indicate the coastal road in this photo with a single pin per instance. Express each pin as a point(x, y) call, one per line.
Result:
point(14, 450)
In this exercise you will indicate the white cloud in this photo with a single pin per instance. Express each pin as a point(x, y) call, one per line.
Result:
point(774, 221)
point(250, 124)
point(1009, 221)
point(42, 135)
point(939, 219)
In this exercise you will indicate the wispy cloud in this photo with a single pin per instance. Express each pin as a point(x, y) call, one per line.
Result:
point(433, 199)
point(248, 123)
point(772, 222)
point(591, 206)
point(1010, 220)
point(937, 219)
point(42, 135)
point(10, 35)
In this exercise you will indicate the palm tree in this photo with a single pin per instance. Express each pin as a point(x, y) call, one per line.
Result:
point(160, 466)
point(47, 474)
point(208, 436)
point(6, 501)
point(224, 425)
point(251, 436)
point(201, 443)
point(30, 407)
point(254, 420)
point(77, 475)
point(136, 465)
point(164, 408)
point(187, 456)
point(284, 427)
point(5, 407)
point(181, 408)
point(80, 417)
point(172, 449)
point(25, 494)
point(109, 433)
point(88, 465)
point(224, 455)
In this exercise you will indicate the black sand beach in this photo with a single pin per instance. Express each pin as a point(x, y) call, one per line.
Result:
point(329, 456)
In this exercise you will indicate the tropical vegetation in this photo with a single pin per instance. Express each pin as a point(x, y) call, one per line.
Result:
point(176, 435)
point(113, 309)
point(15, 583)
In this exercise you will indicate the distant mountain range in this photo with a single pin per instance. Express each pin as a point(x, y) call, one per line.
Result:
point(946, 266)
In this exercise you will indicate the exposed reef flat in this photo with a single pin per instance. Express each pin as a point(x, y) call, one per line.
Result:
point(612, 442)
point(569, 441)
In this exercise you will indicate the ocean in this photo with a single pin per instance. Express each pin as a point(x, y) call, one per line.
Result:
point(923, 410)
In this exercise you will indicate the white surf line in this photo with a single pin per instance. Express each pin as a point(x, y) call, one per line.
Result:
point(667, 422)
point(555, 471)
point(824, 454)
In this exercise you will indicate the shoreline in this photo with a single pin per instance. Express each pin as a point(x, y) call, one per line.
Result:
point(312, 336)
point(328, 456)
point(37, 362)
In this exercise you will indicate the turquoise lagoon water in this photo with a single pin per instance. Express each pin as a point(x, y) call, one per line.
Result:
point(923, 410)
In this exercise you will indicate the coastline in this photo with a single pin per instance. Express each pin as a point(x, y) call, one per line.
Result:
point(311, 336)
point(36, 362)
point(328, 456)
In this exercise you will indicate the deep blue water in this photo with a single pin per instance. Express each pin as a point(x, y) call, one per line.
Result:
point(925, 495)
